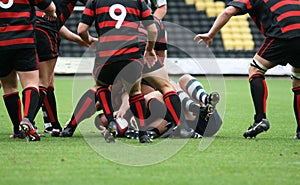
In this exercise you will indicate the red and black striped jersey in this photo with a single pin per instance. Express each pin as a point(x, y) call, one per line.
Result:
point(274, 18)
point(64, 9)
point(17, 22)
point(117, 23)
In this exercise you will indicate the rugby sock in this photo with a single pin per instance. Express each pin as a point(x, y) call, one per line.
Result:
point(13, 105)
point(49, 108)
point(30, 101)
point(138, 108)
point(42, 93)
point(104, 96)
point(187, 103)
point(173, 105)
point(196, 90)
point(296, 91)
point(46, 117)
point(85, 107)
point(259, 92)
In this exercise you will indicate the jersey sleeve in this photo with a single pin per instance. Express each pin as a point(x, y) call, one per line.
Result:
point(88, 15)
point(243, 5)
point(161, 3)
point(41, 4)
point(146, 15)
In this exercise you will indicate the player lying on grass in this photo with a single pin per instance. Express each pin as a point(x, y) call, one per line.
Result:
point(158, 121)
point(199, 106)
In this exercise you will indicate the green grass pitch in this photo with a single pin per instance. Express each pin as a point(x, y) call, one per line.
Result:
point(272, 158)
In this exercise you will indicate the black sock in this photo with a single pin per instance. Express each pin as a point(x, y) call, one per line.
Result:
point(173, 105)
point(138, 109)
point(14, 108)
point(296, 91)
point(49, 108)
point(104, 96)
point(42, 93)
point(85, 107)
point(30, 101)
point(259, 94)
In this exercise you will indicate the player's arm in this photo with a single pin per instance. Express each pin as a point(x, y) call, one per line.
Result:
point(83, 32)
point(221, 21)
point(48, 7)
point(150, 55)
point(160, 12)
point(124, 106)
point(65, 33)
point(152, 35)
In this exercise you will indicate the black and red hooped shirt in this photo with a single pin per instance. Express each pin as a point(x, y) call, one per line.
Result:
point(117, 24)
point(17, 23)
point(64, 9)
point(274, 18)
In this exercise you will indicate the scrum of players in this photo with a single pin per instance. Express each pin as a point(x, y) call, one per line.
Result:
point(146, 104)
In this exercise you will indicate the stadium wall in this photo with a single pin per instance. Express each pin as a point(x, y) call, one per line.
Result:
point(175, 66)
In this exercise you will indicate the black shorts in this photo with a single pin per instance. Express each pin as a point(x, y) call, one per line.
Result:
point(47, 43)
point(129, 70)
point(19, 60)
point(281, 51)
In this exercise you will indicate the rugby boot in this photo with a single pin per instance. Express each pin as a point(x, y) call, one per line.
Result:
point(213, 99)
point(144, 137)
point(68, 131)
point(132, 134)
point(29, 129)
point(111, 132)
point(257, 128)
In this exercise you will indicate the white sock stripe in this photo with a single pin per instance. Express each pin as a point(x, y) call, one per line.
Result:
point(199, 94)
point(193, 87)
point(188, 103)
point(182, 95)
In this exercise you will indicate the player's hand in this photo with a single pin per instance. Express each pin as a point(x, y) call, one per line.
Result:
point(50, 16)
point(93, 41)
point(83, 43)
point(150, 58)
point(204, 37)
point(119, 114)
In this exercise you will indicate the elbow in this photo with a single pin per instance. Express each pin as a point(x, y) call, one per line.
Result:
point(230, 11)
